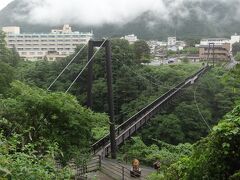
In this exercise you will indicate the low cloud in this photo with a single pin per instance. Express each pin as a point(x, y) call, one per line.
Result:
point(98, 12)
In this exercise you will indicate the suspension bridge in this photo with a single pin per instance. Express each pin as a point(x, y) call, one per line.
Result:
point(108, 144)
point(133, 124)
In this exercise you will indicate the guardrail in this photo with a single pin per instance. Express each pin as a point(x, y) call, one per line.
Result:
point(105, 140)
point(81, 170)
point(117, 171)
point(114, 170)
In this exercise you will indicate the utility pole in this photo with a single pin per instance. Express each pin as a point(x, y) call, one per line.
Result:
point(107, 46)
point(213, 54)
point(208, 53)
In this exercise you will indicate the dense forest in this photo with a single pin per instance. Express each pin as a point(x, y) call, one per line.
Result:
point(195, 136)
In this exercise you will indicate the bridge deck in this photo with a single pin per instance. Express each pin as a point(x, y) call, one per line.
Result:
point(129, 127)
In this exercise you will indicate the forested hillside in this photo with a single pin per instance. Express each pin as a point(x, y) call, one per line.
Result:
point(39, 127)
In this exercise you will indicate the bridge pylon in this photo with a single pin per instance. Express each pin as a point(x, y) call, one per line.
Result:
point(107, 45)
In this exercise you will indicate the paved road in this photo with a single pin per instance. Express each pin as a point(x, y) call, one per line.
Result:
point(232, 63)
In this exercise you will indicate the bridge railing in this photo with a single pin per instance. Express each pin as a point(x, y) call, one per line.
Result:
point(118, 171)
point(103, 141)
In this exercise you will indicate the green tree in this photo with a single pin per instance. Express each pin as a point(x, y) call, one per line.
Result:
point(237, 56)
point(54, 116)
point(6, 55)
point(215, 157)
point(235, 48)
point(165, 127)
point(141, 51)
point(6, 76)
point(24, 163)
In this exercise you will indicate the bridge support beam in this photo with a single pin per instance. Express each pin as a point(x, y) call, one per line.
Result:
point(107, 46)
point(110, 99)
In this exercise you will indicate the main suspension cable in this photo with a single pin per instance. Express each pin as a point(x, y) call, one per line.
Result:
point(90, 60)
point(70, 62)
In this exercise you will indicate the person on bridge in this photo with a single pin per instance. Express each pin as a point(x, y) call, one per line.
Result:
point(135, 170)
point(157, 166)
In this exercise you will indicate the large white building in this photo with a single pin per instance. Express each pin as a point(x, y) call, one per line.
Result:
point(55, 45)
point(235, 39)
point(216, 41)
point(220, 41)
point(130, 38)
point(172, 41)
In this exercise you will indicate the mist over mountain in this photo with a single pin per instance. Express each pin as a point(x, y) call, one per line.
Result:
point(152, 19)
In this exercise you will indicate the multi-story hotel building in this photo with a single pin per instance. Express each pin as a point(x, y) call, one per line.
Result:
point(221, 52)
point(55, 45)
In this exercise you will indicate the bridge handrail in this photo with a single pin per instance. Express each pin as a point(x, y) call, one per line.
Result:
point(126, 123)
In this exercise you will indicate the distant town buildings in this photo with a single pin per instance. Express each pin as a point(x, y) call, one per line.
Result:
point(130, 38)
point(174, 45)
point(55, 45)
point(220, 41)
point(157, 49)
point(222, 47)
point(221, 52)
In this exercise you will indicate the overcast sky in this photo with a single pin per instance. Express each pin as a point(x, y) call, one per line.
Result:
point(3, 3)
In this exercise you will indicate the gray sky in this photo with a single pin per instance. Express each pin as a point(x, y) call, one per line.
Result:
point(3, 3)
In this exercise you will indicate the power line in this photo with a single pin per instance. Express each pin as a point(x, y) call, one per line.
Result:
point(66, 67)
point(85, 66)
